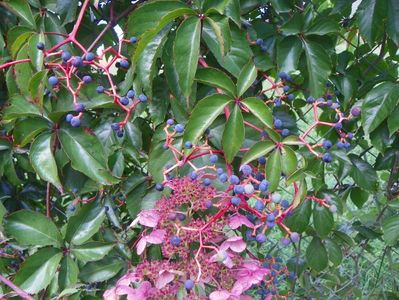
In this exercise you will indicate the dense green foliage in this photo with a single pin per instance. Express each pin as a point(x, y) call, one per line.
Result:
point(68, 194)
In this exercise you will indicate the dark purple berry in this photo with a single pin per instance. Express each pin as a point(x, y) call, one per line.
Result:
point(53, 80)
point(130, 94)
point(327, 144)
point(286, 88)
point(278, 123)
point(68, 117)
point(246, 170)
point(79, 107)
point(66, 56)
point(75, 122)
point(87, 79)
point(119, 133)
point(310, 100)
point(259, 42)
point(143, 98)
point(283, 75)
point(356, 111)
point(235, 201)
point(261, 238)
point(179, 128)
point(234, 179)
point(170, 122)
point(90, 56)
point(77, 61)
point(207, 182)
point(159, 187)
point(100, 89)
point(213, 159)
point(285, 132)
point(115, 126)
point(188, 145)
point(175, 241)
point(40, 46)
point(124, 101)
point(124, 64)
point(189, 284)
point(338, 126)
point(327, 157)
point(295, 237)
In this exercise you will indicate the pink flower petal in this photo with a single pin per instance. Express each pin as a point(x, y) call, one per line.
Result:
point(149, 218)
point(219, 295)
point(141, 245)
point(164, 278)
point(110, 294)
point(156, 237)
point(237, 244)
point(239, 220)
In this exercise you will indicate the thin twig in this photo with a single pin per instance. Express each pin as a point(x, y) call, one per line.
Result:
point(16, 289)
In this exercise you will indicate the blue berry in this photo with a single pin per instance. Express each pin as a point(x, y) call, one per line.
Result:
point(246, 170)
point(90, 56)
point(213, 159)
point(208, 204)
point(310, 100)
point(271, 217)
point(75, 122)
point(285, 242)
point(207, 182)
point(189, 284)
point(333, 208)
point(219, 171)
point(159, 187)
point(188, 145)
point(291, 97)
point(175, 241)
point(143, 98)
point(115, 126)
point(327, 157)
point(259, 42)
point(285, 203)
point(285, 132)
point(259, 205)
point(283, 75)
point(286, 88)
point(79, 107)
point(119, 133)
point(263, 48)
point(340, 145)
point(181, 217)
point(295, 237)
point(68, 117)
point(235, 201)
point(193, 175)
point(356, 111)
point(124, 64)
point(179, 128)
point(249, 189)
point(133, 39)
point(66, 56)
point(262, 160)
point(124, 101)
point(239, 189)
point(277, 102)
point(264, 185)
point(223, 178)
point(350, 135)
point(261, 238)
point(87, 79)
point(130, 94)
point(234, 179)
point(100, 89)
point(338, 126)
point(77, 61)
point(170, 122)
point(53, 80)
point(327, 144)
point(270, 224)
point(278, 123)
point(329, 103)
point(40, 46)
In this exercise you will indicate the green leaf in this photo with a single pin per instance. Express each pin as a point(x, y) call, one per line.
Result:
point(146, 64)
point(334, 252)
point(22, 9)
point(289, 51)
point(233, 11)
point(101, 270)
point(216, 78)
point(36, 56)
point(289, 160)
point(20, 107)
point(23, 71)
point(257, 150)
point(316, 255)
point(273, 170)
point(378, 105)
point(91, 251)
point(363, 173)
point(260, 110)
point(85, 223)
point(280, 6)
point(203, 115)
point(393, 121)
point(38, 270)
point(246, 78)
point(233, 134)
point(318, 65)
point(32, 229)
point(27, 129)
point(186, 52)
point(86, 154)
point(37, 86)
point(43, 161)
point(218, 33)
point(393, 21)
point(135, 188)
point(323, 26)
point(323, 220)
point(69, 271)
point(300, 218)
point(390, 227)
point(369, 16)
point(359, 196)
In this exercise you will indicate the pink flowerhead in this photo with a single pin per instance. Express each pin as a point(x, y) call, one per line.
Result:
point(235, 243)
point(156, 237)
point(239, 220)
point(247, 274)
point(149, 218)
point(164, 278)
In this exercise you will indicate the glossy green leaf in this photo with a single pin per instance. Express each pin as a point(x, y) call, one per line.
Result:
point(393, 21)
point(378, 104)
point(323, 220)
point(203, 115)
point(233, 134)
point(316, 255)
point(289, 161)
point(363, 173)
point(216, 78)
point(91, 251)
point(318, 66)
point(233, 11)
point(390, 227)
point(369, 16)
point(43, 161)
point(23, 71)
point(393, 121)
point(27, 129)
point(38, 270)
point(334, 252)
point(32, 229)
point(289, 51)
point(86, 154)
point(186, 52)
point(273, 170)
point(217, 30)
point(281, 6)
point(36, 56)
point(300, 218)
point(85, 223)
point(68, 273)
point(260, 110)
point(259, 149)
point(359, 196)
point(20, 107)
point(101, 270)
point(323, 26)
point(37, 86)
point(22, 9)
point(246, 78)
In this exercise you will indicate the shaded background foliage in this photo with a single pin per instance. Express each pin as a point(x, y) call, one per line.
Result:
point(85, 247)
